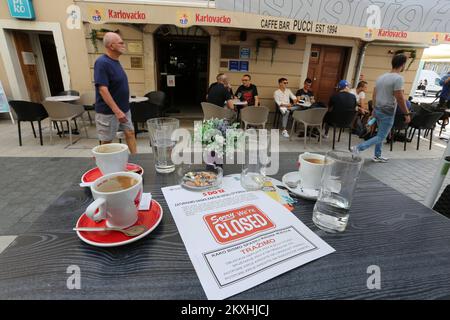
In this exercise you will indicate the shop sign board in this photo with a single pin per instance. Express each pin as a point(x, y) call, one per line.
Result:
point(21, 9)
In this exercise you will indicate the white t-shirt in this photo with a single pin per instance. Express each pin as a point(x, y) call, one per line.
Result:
point(359, 96)
point(283, 97)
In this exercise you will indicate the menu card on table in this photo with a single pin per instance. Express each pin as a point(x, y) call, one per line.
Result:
point(238, 239)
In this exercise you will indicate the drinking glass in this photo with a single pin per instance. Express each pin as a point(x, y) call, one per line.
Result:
point(160, 131)
point(339, 178)
point(253, 169)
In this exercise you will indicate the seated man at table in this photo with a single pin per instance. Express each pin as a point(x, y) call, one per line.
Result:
point(283, 97)
point(340, 102)
point(219, 94)
point(227, 85)
point(305, 93)
point(112, 93)
point(248, 91)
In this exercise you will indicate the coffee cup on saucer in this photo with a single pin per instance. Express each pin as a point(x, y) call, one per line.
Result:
point(311, 168)
point(111, 157)
point(116, 199)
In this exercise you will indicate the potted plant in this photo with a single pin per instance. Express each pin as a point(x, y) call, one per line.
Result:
point(214, 135)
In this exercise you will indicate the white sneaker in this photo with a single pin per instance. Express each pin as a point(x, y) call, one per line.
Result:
point(325, 136)
point(285, 134)
point(380, 159)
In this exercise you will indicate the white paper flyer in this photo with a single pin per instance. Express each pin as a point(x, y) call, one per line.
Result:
point(237, 239)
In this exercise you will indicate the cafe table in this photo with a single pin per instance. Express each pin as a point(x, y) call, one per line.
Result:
point(408, 243)
point(138, 99)
point(64, 98)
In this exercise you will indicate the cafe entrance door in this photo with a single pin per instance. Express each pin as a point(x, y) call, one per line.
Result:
point(327, 65)
point(182, 55)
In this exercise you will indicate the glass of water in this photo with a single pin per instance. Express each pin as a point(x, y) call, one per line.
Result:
point(341, 172)
point(253, 173)
point(160, 131)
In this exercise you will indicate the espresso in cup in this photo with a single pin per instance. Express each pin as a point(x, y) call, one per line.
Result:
point(117, 183)
point(316, 161)
point(108, 148)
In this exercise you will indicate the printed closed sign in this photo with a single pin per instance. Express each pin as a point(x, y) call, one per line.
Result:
point(237, 223)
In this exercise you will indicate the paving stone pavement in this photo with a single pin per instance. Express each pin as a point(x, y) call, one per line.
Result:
point(30, 185)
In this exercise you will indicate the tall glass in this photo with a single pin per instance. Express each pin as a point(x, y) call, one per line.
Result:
point(339, 178)
point(160, 131)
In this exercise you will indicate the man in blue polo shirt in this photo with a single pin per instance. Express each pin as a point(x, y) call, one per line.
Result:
point(112, 105)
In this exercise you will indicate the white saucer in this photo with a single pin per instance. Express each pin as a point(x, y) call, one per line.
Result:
point(309, 194)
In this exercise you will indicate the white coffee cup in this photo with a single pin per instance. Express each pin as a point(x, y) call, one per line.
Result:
point(111, 157)
point(310, 172)
point(119, 207)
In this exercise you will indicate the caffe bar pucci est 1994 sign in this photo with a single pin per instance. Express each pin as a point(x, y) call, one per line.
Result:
point(396, 15)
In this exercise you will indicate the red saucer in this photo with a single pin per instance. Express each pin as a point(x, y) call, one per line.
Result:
point(95, 173)
point(150, 218)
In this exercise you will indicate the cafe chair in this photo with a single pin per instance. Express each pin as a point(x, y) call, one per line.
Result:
point(309, 118)
point(141, 112)
point(341, 120)
point(254, 116)
point(397, 127)
point(61, 111)
point(211, 111)
point(29, 111)
point(424, 121)
point(158, 100)
point(87, 100)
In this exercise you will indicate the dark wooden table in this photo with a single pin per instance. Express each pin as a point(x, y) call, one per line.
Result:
point(407, 241)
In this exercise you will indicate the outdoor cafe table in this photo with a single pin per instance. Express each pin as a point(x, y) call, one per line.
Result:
point(409, 242)
point(65, 98)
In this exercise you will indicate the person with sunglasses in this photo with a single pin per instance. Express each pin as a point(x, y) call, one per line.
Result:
point(283, 97)
point(248, 91)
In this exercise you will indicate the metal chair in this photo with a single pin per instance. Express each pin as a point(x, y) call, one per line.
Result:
point(255, 116)
point(309, 118)
point(341, 120)
point(60, 111)
point(158, 99)
point(87, 100)
point(29, 111)
point(424, 121)
point(399, 124)
point(141, 112)
point(211, 111)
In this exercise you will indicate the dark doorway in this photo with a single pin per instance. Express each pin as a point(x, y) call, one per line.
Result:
point(187, 58)
point(51, 63)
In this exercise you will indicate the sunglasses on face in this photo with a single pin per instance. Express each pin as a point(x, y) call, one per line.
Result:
point(285, 82)
point(245, 80)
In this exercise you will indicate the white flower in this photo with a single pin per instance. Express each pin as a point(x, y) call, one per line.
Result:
point(219, 139)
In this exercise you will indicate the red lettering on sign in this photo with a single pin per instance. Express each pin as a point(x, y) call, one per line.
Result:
point(238, 223)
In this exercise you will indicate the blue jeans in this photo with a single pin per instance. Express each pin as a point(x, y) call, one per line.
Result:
point(385, 123)
point(285, 119)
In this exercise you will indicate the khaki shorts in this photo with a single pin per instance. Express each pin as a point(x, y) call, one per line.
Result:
point(108, 125)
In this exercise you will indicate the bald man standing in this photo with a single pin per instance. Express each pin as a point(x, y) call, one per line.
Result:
point(112, 105)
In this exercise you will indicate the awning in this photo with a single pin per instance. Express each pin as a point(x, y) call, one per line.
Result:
point(102, 12)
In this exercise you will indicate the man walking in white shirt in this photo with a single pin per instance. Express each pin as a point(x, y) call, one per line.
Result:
point(283, 97)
